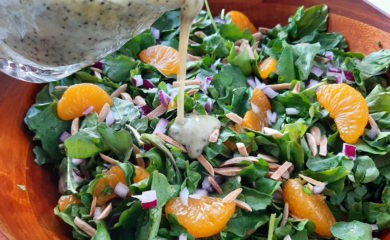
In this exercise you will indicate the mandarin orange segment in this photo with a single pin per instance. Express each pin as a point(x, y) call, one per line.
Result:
point(164, 58)
point(256, 117)
point(65, 201)
point(242, 21)
point(203, 217)
point(140, 174)
point(347, 107)
point(252, 121)
point(267, 67)
point(79, 97)
point(312, 207)
point(104, 188)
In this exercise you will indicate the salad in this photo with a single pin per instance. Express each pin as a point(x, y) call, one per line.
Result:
point(301, 150)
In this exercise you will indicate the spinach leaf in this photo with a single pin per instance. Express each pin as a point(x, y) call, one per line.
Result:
point(101, 232)
point(285, 65)
point(233, 33)
point(354, 230)
point(41, 157)
point(118, 68)
point(313, 19)
point(138, 43)
point(168, 21)
point(66, 169)
point(124, 112)
point(216, 45)
point(304, 54)
point(84, 144)
point(376, 63)
point(379, 100)
point(229, 76)
point(119, 142)
point(240, 100)
point(365, 170)
point(247, 222)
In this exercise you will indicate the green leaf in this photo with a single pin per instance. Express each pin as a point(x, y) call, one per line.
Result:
point(285, 65)
point(229, 76)
point(170, 20)
point(193, 177)
point(304, 54)
point(118, 68)
point(124, 112)
point(379, 100)
point(128, 216)
point(247, 222)
point(242, 60)
point(313, 19)
point(84, 144)
point(138, 43)
point(354, 230)
point(233, 33)
point(164, 191)
point(254, 171)
point(366, 170)
point(240, 101)
point(176, 229)
point(330, 176)
point(119, 142)
point(215, 45)
point(257, 200)
point(67, 218)
point(374, 64)
point(101, 232)
point(41, 157)
point(66, 169)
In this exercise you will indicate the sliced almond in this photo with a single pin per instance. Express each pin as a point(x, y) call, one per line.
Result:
point(157, 112)
point(312, 181)
point(243, 205)
point(103, 113)
point(324, 146)
point(228, 171)
point(192, 58)
point(297, 88)
point(238, 160)
point(372, 122)
point(281, 170)
point(214, 136)
point(242, 149)
point(251, 54)
point(286, 212)
point(171, 141)
point(255, 46)
point(61, 88)
point(96, 69)
point(195, 82)
point(234, 117)
point(139, 101)
point(105, 212)
point(312, 144)
point(97, 74)
point(126, 96)
point(316, 132)
point(119, 90)
point(84, 226)
point(273, 132)
point(267, 158)
point(108, 159)
point(93, 206)
point(273, 166)
point(264, 30)
point(206, 164)
point(257, 36)
point(75, 126)
point(280, 87)
point(200, 34)
point(192, 92)
point(140, 161)
point(232, 195)
point(215, 185)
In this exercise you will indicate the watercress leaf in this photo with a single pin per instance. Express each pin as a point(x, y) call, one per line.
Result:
point(242, 60)
point(119, 142)
point(365, 170)
point(229, 76)
point(233, 33)
point(101, 232)
point(118, 68)
point(170, 20)
point(215, 45)
point(331, 175)
point(321, 164)
point(254, 171)
point(193, 176)
point(354, 230)
point(267, 185)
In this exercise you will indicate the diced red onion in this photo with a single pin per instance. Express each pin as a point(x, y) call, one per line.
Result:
point(182, 237)
point(329, 55)
point(98, 65)
point(349, 77)
point(312, 83)
point(209, 105)
point(206, 185)
point(271, 116)
point(205, 84)
point(338, 76)
point(269, 91)
point(110, 118)
point(317, 71)
point(145, 109)
point(121, 190)
point(148, 84)
point(161, 126)
point(318, 189)
point(374, 227)
point(77, 161)
point(349, 151)
point(184, 193)
point(65, 135)
point(138, 81)
point(77, 176)
point(219, 20)
point(334, 69)
point(97, 213)
point(148, 199)
point(292, 111)
point(88, 110)
point(165, 99)
point(147, 147)
point(251, 82)
point(199, 194)
point(155, 33)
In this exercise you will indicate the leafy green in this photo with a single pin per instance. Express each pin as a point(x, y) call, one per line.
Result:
point(379, 100)
point(354, 230)
point(118, 68)
point(101, 232)
point(376, 63)
point(140, 42)
point(119, 142)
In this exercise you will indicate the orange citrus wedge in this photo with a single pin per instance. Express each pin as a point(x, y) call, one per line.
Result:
point(164, 58)
point(242, 21)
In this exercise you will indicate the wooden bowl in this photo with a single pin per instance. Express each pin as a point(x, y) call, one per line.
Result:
point(29, 214)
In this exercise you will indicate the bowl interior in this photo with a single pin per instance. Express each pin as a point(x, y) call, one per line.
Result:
point(29, 213)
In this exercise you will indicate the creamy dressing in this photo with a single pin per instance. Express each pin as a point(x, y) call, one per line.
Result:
point(194, 132)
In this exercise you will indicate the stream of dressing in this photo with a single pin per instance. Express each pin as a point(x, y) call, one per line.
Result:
point(193, 131)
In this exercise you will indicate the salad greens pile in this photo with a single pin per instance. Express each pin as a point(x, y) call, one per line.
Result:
point(357, 191)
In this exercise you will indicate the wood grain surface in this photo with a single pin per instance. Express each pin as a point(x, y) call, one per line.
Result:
point(29, 214)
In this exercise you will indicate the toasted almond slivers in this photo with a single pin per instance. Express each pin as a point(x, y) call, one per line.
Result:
point(157, 112)
point(238, 160)
point(105, 212)
point(312, 144)
point(281, 170)
point(75, 126)
point(97, 74)
point(267, 158)
point(243, 205)
point(93, 206)
point(251, 54)
point(61, 88)
point(171, 141)
point(242, 149)
point(232, 195)
point(273, 166)
point(206, 164)
point(192, 58)
point(228, 171)
point(85, 226)
point(103, 113)
point(285, 214)
point(200, 34)
point(316, 132)
point(372, 122)
point(324, 146)
point(215, 185)
point(119, 90)
point(192, 92)
point(257, 36)
point(234, 117)
point(312, 181)
point(214, 136)
point(140, 161)
point(297, 88)
point(195, 82)
point(126, 96)
point(264, 30)
point(280, 87)
point(139, 101)
point(270, 131)
point(96, 69)
point(108, 159)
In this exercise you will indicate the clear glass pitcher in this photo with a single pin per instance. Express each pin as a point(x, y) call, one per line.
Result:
point(46, 40)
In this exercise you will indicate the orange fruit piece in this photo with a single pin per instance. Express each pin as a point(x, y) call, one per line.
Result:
point(242, 21)
point(164, 58)
point(104, 188)
point(140, 174)
point(267, 67)
point(203, 217)
point(312, 207)
point(79, 97)
point(65, 201)
point(256, 117)
point(347, 107)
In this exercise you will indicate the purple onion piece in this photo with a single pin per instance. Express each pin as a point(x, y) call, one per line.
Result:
point(145, 109)
point(318, 189)
point(205, 84)
point(349, 151)
point(110, 119)
point(317, 71)
point(161, 126)
point(148, 84)
point(329, 55)
point(292, 111)
point(270, 92)
point(138, 81)
point(251, 82)
point(312, 83)
point(77, 176)
point(349, 76)
point(97, 213)
point(182, 237)
point(338, 76)
point(209, 105)
point(219, 20)
point(155, 33)
point(206, 185)
point(372, 133)
point(165, 99)
point(88, 110)
point(258, 82)
point(334, 69)
point(98, 65)
point(374, 227)
point(198, 194)
point(65, 135)
point(184, 193)
point(77, 161)
point(121, 190)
